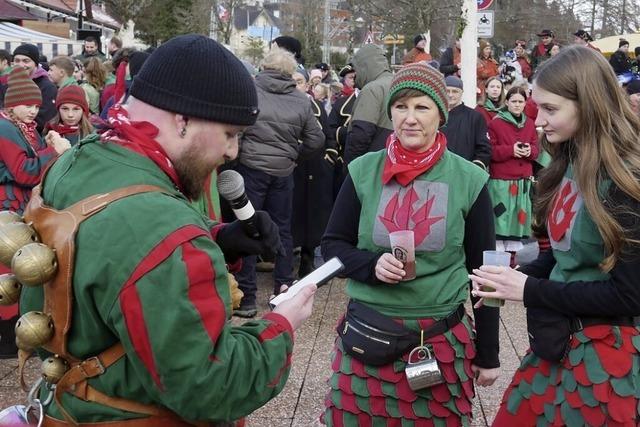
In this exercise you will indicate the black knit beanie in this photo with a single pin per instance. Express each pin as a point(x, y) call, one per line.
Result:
point(136, 61)
point(195, 76)
point(29, 50)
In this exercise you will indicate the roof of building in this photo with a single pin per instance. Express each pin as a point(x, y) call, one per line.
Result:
point(68, 7)
point(244, 16)
point(13, 12)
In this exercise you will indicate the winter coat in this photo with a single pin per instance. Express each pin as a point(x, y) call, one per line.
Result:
point(466, 133)
point(539, 54)
point(371, 125)
point(503, 136)
point(416, 55)
point(450, 61)
point(486, 69)
point(620, 62)
point(49, 92)
point(286, 128)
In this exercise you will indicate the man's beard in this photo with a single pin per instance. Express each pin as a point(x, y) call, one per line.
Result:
point(192, 173)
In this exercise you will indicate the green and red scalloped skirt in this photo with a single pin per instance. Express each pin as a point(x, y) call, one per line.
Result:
point(597, 384)
point(371, 396)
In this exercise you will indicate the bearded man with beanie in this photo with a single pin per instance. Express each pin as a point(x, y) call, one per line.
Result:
point(27, 56)
point(414, 185)
point(23, 157)
point(418, 53)
point(150, 295)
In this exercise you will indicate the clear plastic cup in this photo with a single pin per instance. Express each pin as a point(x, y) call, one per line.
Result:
point(403, 249)
point(498, 258)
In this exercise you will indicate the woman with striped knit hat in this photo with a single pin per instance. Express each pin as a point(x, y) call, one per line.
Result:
point(405, 352)
point(23, 157)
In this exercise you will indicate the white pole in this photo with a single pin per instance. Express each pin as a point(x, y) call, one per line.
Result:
point(326, 45)
point(469, 48)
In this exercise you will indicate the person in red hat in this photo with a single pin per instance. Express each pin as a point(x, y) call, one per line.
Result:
point(72, 120)
point(23, 156)
point(542, 51)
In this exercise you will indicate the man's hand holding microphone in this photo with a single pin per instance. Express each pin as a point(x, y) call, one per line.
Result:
point(254, 233)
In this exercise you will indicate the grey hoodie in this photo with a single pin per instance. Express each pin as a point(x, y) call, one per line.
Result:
point(285, 130)
point(370, 125)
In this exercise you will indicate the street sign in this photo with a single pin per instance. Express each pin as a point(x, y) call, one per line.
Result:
point(390, 39)
point(369, 38)
point(485, 24)
point(484, 4)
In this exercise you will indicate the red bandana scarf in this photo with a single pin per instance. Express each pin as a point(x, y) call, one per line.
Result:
point(405, 165)
point(63, 129)
point(138, 137)
point(28, 130)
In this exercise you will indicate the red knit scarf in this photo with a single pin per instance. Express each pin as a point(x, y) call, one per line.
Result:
point(63, 129)
point(405, 165)
point(28, 130)
point(140, 138)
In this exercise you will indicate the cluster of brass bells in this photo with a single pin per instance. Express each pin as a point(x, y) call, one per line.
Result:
point(32, 264)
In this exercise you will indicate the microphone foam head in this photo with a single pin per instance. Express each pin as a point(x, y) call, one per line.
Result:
point(230, 184)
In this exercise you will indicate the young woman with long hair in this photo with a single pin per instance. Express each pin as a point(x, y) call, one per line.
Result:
point(492, 100)
point(588, 200)
point(514, 149)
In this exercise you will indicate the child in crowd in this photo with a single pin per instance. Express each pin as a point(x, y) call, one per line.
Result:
point(72, 120)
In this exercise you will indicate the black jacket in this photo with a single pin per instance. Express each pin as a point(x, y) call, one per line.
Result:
point(447, 67)
point(466, 133)
point(620, 62)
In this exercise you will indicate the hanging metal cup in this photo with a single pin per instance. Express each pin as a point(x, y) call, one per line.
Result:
point(424, 372)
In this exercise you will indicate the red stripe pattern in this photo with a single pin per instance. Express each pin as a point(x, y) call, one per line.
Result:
point(202, 289)
point(130, 302)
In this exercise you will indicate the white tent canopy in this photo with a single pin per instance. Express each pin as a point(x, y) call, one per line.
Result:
point(12, 36)
point(610, 44)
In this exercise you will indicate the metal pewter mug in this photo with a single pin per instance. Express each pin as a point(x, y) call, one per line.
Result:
point(423, 373)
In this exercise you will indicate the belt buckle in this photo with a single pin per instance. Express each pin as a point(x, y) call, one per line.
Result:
point(576, 325)
point(93, 362)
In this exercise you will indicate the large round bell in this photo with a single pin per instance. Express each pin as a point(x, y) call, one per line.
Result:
point(13, 236)
point(9, 289)
point(34, 264)
point(22, 346)
point(53, 368)
point(7, 217)
point(34, 329)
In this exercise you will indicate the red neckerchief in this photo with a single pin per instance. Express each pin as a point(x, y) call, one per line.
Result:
point(542, 49)
point(28, 130)
point(138, 137)
point(63, 129)
point(405, 165)
point(347, 91)
point(120, 85)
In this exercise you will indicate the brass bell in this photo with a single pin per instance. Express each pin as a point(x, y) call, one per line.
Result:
point(12, 237)
point(9, 289)
point(22, 346)
point(34, 329)
point(7, 217)
point(34, 264)
point(53, 368)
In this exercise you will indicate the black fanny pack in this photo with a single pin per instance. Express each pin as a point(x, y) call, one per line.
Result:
point(550, 332)
point(376, 339)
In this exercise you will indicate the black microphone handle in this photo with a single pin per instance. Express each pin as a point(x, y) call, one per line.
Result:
point(249, 227)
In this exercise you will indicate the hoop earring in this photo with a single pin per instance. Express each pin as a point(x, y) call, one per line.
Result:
point(183, 132)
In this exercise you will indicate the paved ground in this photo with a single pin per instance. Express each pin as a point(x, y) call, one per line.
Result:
point(301, 402)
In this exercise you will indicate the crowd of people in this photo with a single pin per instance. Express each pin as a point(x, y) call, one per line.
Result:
point(334, 162)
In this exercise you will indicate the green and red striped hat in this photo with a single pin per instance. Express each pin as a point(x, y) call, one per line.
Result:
point(21, 90)
point(426, 79)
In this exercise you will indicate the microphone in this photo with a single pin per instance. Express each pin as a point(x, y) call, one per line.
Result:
point(231, 188)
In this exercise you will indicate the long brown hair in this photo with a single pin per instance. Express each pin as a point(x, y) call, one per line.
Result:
point(605, 146)
point(484, 96)
point(84, 125)
point(95, 74)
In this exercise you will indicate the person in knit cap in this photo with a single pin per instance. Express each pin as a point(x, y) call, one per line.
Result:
point(439, 202)
point(23, 157)
point(151, 296)
point(418, 52)
point(72, 121)
point(620, 61)
point(27, 56)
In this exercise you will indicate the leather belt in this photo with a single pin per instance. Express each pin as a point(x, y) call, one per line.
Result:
point(579, 323)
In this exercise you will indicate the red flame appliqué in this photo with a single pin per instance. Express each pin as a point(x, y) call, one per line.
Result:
point(562, 213)
point(397, 215)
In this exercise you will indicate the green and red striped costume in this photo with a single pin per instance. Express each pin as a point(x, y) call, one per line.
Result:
point(149, 274)
point(598, 383)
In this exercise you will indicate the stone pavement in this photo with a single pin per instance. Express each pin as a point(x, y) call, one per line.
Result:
point(302, 400)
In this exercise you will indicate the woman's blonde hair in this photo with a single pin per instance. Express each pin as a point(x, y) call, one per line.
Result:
point(605, 146)
point(280, 60)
